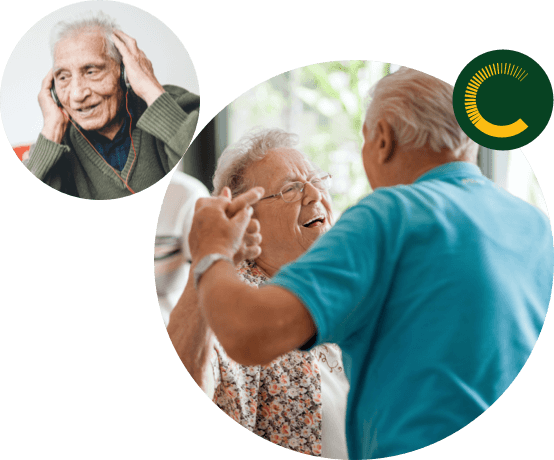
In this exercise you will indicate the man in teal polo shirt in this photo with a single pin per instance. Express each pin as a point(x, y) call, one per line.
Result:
point(435, 286)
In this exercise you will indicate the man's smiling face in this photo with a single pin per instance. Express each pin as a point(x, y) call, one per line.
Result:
point(87, 82)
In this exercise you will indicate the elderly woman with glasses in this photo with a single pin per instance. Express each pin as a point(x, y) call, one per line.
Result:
point(297, 401)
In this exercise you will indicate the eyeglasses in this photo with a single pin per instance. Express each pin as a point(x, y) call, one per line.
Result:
point(293, 191)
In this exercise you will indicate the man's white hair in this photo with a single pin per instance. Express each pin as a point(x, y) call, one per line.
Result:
point(87, 22)
point(250, 148)
point(419, 109)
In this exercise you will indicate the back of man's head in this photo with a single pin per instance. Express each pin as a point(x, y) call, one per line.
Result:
point(419, 109)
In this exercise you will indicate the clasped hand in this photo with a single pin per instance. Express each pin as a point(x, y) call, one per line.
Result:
point(222, 225)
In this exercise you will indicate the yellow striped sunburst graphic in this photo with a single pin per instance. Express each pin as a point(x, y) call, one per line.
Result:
point(475, 82)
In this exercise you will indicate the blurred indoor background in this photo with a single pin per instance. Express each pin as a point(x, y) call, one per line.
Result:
point(325, 105)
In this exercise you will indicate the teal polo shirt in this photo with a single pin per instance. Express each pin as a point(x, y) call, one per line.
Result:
point(436, 292)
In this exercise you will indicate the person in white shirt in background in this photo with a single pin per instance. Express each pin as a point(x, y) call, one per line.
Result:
point(172, 254)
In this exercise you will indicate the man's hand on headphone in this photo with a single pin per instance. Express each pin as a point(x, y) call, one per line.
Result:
point(55, 123)
point(138, 68)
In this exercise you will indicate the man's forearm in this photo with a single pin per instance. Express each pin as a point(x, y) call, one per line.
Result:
point(43, 156)
point(254, 326)
point(219, 292)
point(167, 121)
point(54, 133)
point(153, 94)
point(192, 338)
point(241, 317)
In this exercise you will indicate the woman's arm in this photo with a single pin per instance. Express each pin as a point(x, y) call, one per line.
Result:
point(188, 329)
point(192, 338)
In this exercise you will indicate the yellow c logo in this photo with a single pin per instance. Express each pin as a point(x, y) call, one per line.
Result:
point(471, 100)
point(514, 92)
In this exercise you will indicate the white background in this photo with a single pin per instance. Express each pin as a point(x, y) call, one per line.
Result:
point(31, 60)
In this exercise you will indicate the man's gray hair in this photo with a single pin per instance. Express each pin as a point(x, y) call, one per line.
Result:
point(250, 148)
point(419, 109)
point(87, 22)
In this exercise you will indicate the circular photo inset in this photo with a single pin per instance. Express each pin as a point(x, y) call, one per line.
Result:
point(364, 280)
point(117, 100)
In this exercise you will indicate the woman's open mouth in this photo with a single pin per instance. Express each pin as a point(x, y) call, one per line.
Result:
point(314, 222)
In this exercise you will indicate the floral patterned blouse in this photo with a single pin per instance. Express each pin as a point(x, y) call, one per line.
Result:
point(281, 401)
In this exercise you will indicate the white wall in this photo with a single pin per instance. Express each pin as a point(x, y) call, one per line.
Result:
point(31, 60)
point(521, 180)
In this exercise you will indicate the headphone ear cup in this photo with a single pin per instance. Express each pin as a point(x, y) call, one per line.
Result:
point(123, 79)
point(55, 95)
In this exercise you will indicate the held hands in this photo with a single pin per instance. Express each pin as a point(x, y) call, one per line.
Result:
point(225, 226)
point(250, 244)
point(138, 67)
point(55, 123)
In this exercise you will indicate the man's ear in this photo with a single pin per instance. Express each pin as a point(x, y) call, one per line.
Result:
point(385, 141)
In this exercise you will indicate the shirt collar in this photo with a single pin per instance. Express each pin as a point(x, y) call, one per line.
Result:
point(96, 137)
point(453, 169)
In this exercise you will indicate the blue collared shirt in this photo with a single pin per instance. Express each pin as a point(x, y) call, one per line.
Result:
point(436, 292)
point(114, 151)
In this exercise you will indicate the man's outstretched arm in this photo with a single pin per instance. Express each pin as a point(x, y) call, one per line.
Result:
point(254, 326)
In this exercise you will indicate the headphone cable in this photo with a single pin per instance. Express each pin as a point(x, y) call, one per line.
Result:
point(130, 135)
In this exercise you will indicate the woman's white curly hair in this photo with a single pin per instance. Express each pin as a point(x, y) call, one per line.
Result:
point(251, 147)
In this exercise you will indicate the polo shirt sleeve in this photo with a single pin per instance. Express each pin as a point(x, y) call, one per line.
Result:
point(344, 278)
point(172, 119)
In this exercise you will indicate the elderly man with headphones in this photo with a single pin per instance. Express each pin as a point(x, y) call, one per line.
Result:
point(110, 128)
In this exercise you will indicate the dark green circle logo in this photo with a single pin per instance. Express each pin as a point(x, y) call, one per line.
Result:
point(503, 99)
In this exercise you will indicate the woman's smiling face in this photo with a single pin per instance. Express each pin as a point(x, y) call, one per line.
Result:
point(288, 229)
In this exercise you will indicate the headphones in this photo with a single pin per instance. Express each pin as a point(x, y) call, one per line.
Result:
point(123, 81)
